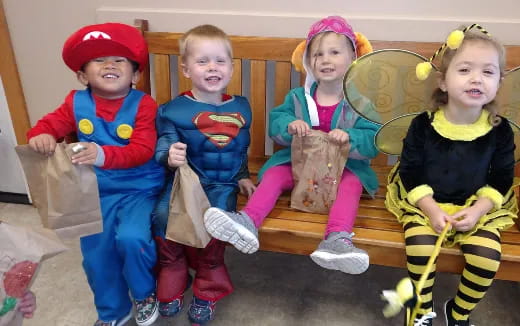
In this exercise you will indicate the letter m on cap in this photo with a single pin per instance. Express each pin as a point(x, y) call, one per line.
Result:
point(94, 35)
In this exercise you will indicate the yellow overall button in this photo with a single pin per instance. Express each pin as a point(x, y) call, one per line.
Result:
point(86, 126)
point(124, 131)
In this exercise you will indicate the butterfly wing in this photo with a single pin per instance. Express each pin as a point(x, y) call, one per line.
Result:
point(516, 133)
point(389, 139)
point(382, 85)
point(508, 97)
point(508, 100)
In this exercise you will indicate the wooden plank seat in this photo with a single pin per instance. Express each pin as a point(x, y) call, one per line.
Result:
point(263, 73)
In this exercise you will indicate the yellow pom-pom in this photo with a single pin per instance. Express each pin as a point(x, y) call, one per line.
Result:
point(404, 289)
point(396, 299)
point(363, 45)
point(422, 70)
point(455, 39)
point(297, 56)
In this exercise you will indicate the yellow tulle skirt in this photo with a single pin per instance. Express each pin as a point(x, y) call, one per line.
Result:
point(496, 219)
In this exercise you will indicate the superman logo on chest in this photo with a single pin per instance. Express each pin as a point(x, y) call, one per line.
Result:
point(219, 128)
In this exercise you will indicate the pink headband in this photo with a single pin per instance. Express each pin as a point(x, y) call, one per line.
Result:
point(334, 24)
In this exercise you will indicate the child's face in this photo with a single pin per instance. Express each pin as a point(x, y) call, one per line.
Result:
point(109, 77)
point(330, 58)
point(208, 65)
point(473, 76)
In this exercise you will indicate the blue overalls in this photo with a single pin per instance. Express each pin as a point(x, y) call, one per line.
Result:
point(122, 257)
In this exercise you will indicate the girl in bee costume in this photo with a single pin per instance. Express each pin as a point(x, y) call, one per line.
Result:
point(457, 160)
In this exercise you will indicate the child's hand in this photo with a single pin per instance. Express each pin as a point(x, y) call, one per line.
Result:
point(247, 187)
point(438, 220)
point(177, 155)
point(299, 127)
point(465, 219)
point(87, 155)
point(339, 136)
point(438, 217)
point(43, 144)
point(27, 304)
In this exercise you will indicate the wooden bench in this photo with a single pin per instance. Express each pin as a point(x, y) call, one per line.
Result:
point(263, 73)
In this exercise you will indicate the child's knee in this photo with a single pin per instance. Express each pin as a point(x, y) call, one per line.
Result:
point(279, 176)
point(482, 257)
point(350, 180)
point(160, 217)
point(131, 238)
point(159, 223)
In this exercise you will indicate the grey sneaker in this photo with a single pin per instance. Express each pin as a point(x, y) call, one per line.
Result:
point(99, 322)
point(119, 322)
point(235, 228)
point(338, 252)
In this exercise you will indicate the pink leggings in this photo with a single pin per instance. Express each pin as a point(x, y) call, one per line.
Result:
point(278, 179)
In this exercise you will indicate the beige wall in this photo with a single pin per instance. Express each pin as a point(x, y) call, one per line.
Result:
point(39, 27)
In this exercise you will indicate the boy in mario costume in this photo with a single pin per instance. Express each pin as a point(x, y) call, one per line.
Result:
point(116, 126)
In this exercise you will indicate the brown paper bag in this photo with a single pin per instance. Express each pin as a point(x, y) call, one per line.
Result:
point(65, 194)
point(188, 202)
point(21, 251)
point(317, 167)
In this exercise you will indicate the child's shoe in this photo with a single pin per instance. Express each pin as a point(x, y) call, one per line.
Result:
point(338, 252)
point(425, 320)
point(201, 311)
point(119, 322)
point(172, 308)
point(450, 321)
point(147, 310)
point(235, 228)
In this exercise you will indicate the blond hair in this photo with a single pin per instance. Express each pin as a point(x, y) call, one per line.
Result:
point(440, 97)
point(207, 32)
point(318, 39)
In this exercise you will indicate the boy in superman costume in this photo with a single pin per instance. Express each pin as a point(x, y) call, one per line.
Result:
point(208, 130)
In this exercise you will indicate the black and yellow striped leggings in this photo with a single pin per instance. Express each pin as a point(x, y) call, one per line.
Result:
point(482, 252)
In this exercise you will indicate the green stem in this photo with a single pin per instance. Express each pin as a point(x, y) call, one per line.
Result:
point(8, 305)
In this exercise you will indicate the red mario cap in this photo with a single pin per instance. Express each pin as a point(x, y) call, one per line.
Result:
point(101, 40)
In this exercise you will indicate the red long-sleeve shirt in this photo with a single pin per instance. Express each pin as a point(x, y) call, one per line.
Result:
point(141, 147)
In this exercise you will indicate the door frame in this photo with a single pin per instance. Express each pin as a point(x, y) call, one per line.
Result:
point(12, 83)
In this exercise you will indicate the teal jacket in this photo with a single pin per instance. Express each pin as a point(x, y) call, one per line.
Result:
point(361, 133)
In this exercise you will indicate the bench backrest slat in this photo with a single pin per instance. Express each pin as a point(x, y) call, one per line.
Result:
point(184, 84)
point(235, 85)
point(282, 77)
point(162, 78)
point(257, 100)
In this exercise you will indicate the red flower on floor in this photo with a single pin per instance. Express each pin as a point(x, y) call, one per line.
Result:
point(18, 277)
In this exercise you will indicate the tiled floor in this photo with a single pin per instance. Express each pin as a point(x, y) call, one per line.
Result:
point(270, 289)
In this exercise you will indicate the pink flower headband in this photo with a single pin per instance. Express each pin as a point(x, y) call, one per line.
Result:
point(334, 24)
